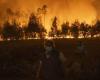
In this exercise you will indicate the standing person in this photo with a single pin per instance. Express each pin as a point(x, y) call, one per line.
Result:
point(81, 48)
point(51, 67)
point(80, 59)
point(81, 51)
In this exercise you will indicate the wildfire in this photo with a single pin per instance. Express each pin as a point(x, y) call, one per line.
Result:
point(65, 10)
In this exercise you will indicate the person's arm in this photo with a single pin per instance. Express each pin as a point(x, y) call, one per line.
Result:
point(62, 57)
point(63, 66)
point(38, 72)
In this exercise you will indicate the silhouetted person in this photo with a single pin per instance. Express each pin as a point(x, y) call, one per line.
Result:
point(80, 55)
point(51, 65)
point(81, 48)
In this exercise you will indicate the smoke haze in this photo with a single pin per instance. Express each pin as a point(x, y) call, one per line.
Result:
point(65, 10)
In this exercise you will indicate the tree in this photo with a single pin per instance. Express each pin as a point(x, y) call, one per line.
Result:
point(58, 33)
point(10, 31)
point(83, 29)
point(44, 11)
point(41, 12)
point(20, 33)
point(32, 24)
point(92, 31)
point(65, 28)
point(75, 30)
point(15, 30)
point(34, 27)
point(97, 25)
point(54, 27)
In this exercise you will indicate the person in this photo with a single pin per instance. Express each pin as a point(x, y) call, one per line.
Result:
point(80, 59)
point(81, 48)
point(51, 66)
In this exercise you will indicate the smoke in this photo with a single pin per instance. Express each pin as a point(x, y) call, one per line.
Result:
point(65, 10)
point(97, 7)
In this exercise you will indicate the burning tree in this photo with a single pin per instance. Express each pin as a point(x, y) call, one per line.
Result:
point(97, 25)
point(44, 11)
point(65, 28)
point(34, 27)
point(75, 30)
point(10, 31)
point(84, 29)
point(41, 12)
point(54, 27)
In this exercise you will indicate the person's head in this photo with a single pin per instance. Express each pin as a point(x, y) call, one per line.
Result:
point(80, 43)
point(49, 45)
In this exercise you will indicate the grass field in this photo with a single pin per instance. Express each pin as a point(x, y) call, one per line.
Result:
point(19, 59)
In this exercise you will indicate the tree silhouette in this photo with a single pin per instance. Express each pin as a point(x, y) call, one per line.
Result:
point(58, 33)
point(91, 31)
point(6, 30)
point(14, 30)
point(44, 11)
point(83, 29)
point(20, 33)
point(54, 27)
point(41, 12)
point(97, 25)
point(42, 31)
point(65, 28)
point(34, 27)
point(75, 30)
point(10, 31)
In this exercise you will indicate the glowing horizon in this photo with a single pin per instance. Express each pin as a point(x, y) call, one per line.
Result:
point(65, 10)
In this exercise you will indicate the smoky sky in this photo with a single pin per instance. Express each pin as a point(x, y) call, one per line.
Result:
point(68, 9)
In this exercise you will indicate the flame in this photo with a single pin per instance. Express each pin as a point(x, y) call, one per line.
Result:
point(68, 10)
point(65, 10)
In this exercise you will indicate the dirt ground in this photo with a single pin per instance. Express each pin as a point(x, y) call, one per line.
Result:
point(19, 59)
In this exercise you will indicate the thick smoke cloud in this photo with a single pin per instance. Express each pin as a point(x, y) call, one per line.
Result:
point(83, 10)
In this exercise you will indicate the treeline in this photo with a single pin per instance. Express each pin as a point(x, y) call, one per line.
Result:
point(82, 30)
point(35, 28)
point(14, 31)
